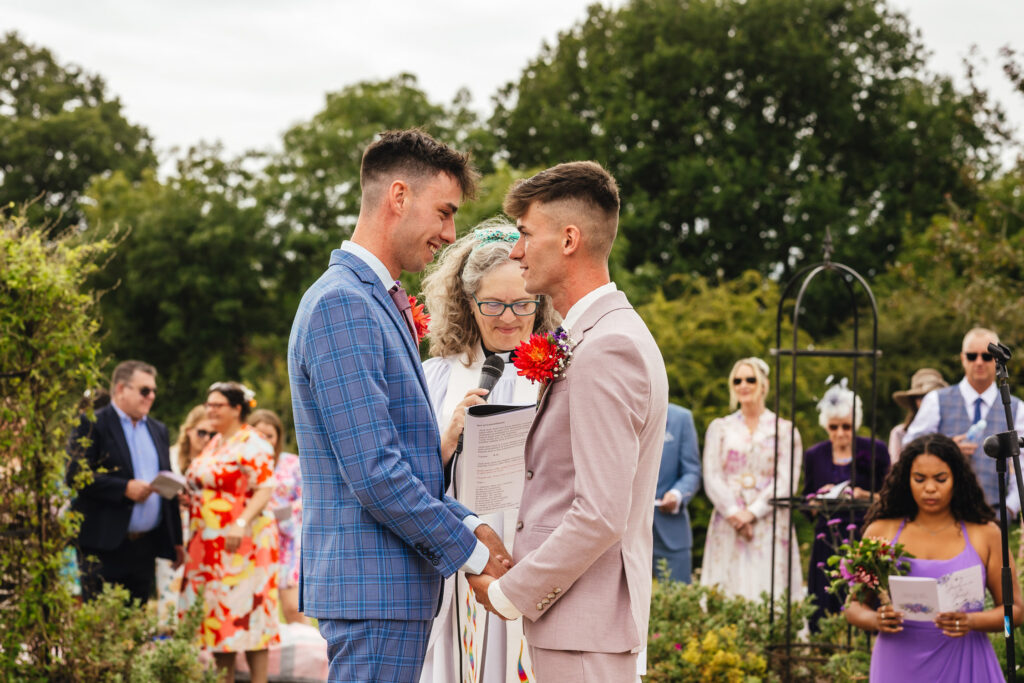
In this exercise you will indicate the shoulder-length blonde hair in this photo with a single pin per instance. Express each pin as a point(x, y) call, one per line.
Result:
point(450, 286)
point(760, 369)
point(185, 454)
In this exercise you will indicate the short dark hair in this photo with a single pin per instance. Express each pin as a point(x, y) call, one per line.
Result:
point(236, 394)
point(415, 153)
point(125, 369)
point(586, 184)
point(897, 502)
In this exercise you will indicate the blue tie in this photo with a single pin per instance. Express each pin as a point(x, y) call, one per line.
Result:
point(977, 410)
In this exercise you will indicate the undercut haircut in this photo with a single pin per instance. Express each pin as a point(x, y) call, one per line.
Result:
point(413, 155)
point(579, 192)
point(125, 369)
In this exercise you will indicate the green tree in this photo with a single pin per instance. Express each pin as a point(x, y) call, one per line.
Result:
point(193, 280)
point(49, 353)
point(739, 131)
point(58, 128)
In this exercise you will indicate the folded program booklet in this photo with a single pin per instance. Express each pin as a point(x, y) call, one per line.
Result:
point(923, 599)
point(168, 484)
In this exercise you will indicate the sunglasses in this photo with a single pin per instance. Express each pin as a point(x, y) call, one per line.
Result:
point(846, 426)
point(203, 434)
point(146, 391)
point(740, 380)
point(972, 356)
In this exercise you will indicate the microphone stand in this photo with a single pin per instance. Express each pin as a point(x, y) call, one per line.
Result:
point(1004, 446)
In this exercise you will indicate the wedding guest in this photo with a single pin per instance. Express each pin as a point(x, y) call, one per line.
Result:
point(922, 382)
point(831, 463)
point(232, 553)
point(478, 306)
point(678, 482)
point(739, 454)
point(932, 503)
point(286, 504)
point(193, 435)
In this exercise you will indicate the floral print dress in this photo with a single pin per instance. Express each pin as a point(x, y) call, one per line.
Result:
point(239, 589)
point(738, 475)
point(286, 502)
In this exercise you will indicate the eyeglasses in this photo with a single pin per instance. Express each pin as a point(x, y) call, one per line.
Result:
point(736, 381)
point(203, 434)
point(972, 356)
point(846, 426)
point(217, 404)
point(146, 391)
point(493, 309)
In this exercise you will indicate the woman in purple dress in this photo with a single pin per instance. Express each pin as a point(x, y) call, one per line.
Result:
point(931, 503)
point(831, 463)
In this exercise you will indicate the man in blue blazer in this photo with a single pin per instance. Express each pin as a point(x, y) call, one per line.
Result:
point(378, 533)
point(678, 481)
point(125, 524)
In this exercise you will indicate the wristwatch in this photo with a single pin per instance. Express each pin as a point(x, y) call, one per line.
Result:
point(241, 523)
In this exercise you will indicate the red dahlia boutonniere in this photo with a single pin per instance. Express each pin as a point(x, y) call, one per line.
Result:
point(544, 357)
point(420, 317)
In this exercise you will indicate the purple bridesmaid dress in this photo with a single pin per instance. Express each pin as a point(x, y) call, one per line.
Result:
point(920, 652)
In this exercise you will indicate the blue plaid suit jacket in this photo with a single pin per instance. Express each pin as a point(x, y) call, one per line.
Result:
point(378, 533)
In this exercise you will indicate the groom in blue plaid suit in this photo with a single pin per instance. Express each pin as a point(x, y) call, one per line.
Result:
point(378, 533)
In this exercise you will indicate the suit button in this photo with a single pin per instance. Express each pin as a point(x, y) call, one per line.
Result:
point(557, 590)
point(546, 601)
point(540, 605)
point(434, 562)
point(551, 595)
point(529, 474)
point(519, 525)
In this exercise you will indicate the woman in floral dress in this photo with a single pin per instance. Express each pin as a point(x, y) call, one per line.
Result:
point(233, 548)
point(286, 504)
point(739, 453)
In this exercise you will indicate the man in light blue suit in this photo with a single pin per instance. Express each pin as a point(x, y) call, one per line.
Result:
point(678, 481)
point(378, 533)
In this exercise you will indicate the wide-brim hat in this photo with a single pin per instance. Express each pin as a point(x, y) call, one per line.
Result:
point(923, 381)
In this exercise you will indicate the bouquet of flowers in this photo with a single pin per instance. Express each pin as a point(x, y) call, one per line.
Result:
point(863, 568)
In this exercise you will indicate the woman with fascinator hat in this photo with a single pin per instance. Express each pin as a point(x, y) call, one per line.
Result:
point(922, 382)
point(478, 306)
point(832, 462)
point(739, 455)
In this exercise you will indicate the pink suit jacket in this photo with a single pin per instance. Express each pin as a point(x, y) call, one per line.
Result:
point(583, 545)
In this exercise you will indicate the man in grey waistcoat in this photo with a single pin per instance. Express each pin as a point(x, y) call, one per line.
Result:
point(953, 410)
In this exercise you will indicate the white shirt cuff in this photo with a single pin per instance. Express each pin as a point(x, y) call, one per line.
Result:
point(502, 604)
point(472, 522)
point(478, 560)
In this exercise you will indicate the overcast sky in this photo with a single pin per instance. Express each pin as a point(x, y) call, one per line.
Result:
point(243, 71)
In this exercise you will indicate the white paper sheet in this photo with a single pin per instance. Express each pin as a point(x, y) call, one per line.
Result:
point(491, 468)
point(168, 484)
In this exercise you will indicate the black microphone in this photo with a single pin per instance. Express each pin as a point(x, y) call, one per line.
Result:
point(490, 373)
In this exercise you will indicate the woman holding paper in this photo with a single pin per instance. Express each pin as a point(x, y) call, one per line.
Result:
point(931, 502)
point(232, 552)
point(478, 306)
point(829, 464)
point(739, 466)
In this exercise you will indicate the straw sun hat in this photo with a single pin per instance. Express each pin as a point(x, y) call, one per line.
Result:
point(923, 381)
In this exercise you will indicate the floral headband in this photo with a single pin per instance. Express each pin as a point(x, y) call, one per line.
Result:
point(248, 395)
point(488, 235)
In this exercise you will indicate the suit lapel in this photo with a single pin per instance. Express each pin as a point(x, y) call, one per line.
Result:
point(112, 423)
point(162, 453)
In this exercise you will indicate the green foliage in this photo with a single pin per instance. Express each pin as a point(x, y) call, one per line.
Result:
point(194, 278)
point(48, 356)
point(739, 131)
point(59, 127)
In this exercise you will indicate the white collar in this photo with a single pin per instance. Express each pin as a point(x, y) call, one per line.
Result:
point(971, 395)
point(577, 310)
point(370, 259)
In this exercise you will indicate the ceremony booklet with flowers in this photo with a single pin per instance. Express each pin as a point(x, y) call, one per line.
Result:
point(923, 599)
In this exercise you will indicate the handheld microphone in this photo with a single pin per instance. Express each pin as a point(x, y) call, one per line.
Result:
point(490, 373)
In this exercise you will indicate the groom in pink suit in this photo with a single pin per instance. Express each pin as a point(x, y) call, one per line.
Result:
point(583, 542)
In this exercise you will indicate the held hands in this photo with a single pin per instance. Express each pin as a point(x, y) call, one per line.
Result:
point(137, 490)
point(743, 523)
point(450, 437)
point(954, 624)
point(888, 620)
point(233, 537)
point(480, 583)
point(500, 560)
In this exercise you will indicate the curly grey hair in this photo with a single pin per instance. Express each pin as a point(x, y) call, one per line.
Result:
point(449, 287)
